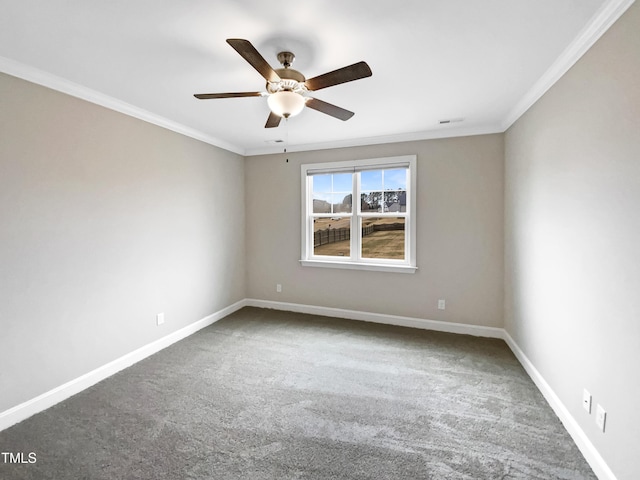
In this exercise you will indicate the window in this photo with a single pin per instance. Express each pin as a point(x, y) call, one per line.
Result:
point(360, 214)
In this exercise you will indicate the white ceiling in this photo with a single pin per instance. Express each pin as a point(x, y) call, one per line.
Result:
point(483, 61)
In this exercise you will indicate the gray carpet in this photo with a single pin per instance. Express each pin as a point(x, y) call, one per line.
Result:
point(264, 394)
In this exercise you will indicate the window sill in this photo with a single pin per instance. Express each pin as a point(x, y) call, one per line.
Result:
point(376, 267)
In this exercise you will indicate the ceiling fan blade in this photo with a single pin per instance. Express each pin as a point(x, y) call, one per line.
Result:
point(251, 55)
point(342, 75)
point(329, 109)
point(208, 96)
point(273, 120)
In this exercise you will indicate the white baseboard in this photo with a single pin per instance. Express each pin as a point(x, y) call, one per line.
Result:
point(597, 463)
point(58, 394)
point(460, 328)
point(48, 399)
point(589, 451)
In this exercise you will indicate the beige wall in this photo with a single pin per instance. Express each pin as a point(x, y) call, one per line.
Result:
point(459, 235)
point(105, 221)
point(573, 239)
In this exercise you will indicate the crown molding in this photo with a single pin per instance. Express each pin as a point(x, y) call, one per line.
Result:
point(48, 80)
point(45, 79)
point(447, 132)
point(600, 23)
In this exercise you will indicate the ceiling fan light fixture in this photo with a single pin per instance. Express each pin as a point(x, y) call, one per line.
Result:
point(286, 103)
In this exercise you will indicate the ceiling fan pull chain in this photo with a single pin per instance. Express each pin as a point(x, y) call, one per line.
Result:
point(286, 135)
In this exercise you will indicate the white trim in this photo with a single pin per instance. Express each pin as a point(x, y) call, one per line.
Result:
point(355, 261)
point(48, 399)
point(58, 394)
point(60, 84)
point(588, 450)
point(372, 267)
point(599, 24)
point(444, 132)
point(606, 16)
point(413, 322)
point(40, 77)
point(591, 454)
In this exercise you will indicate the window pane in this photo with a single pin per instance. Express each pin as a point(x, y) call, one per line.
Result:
point(332, 193)
point(371, 201)
point(383, 238)
point(371, 180)
point(321, 183)
point(322, 203)
point(341, 203)
point(342, 182)
point(395, 201)
point(332, 236)
point(395, 179)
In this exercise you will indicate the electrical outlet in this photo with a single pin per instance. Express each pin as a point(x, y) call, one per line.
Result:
point(601, 417)
point(278, 288)
point(160, 319)
point(441, 304)
point(586, 401)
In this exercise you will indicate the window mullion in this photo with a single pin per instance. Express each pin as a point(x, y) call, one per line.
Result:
point(310, 217)
point(355, 219)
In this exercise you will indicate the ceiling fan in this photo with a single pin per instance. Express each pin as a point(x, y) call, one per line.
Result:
point(287, 89)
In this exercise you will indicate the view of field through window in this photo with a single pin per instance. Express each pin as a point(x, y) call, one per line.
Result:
point(383, 199)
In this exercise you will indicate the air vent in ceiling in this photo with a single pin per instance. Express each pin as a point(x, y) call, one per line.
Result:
point(451, 120)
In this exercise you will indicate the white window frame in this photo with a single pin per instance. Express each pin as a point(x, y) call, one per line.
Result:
point(355, 262)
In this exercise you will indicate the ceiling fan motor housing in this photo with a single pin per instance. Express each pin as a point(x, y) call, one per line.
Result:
point(286, 58)
point(291, 80)
point(286, 97)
